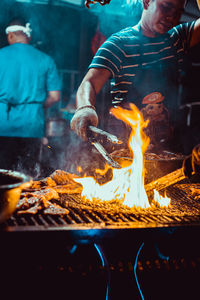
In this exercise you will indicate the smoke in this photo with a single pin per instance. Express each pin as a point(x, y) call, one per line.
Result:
point(117, 15)
point(81, 158)
point(57, 32)
point(10, 9)
point(33, 171)
point(55, 29)
point(132, 7)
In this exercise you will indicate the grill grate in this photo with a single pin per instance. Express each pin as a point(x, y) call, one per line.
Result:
point(185, 209)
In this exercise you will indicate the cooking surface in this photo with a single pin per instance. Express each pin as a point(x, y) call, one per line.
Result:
point(88, 220)
point(40, 240)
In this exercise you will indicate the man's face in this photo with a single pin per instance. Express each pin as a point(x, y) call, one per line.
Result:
point(162, 15)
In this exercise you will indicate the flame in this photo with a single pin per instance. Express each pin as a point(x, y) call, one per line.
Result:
point(160, 200)
point(79, 169)
point(103, 172)
point(127, 184)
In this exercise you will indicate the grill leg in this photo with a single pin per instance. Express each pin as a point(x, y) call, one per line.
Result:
point(106, 265)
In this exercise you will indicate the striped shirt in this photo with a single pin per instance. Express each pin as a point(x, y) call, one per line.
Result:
point(127, 52)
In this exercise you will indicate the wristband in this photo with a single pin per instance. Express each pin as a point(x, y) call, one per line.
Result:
point(86, 106)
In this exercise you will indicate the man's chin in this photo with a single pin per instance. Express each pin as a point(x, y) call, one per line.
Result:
point(161, 29)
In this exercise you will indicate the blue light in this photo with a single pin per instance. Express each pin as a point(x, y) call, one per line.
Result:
point(104, 263)
point(100, 254)
point(135, 268)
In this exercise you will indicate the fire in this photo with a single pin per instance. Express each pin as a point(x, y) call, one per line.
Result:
point(127, 184)
point(160, 200)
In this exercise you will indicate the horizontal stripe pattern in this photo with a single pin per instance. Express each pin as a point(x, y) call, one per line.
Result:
point(126, 52)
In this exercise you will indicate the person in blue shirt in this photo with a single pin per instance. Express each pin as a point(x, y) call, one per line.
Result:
point(29, 84)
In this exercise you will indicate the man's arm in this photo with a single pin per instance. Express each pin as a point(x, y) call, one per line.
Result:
point(85, 114)
point(52, 98)
point(196, 32)
point(91, 85)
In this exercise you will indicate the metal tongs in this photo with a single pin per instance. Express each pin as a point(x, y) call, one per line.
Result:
point(93, 133)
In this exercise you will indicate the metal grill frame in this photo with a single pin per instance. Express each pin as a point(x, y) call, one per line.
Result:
point(95, 227)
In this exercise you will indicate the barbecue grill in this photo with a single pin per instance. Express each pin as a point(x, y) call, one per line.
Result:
point(89, 221)
point(174, 228)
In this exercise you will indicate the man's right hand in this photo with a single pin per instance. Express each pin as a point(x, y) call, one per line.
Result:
point(82, 118)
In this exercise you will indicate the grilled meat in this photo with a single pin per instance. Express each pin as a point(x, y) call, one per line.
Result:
point(68, 189)
point(36, 202)
point(163, 155)
point(44, 195)
point(61, 177)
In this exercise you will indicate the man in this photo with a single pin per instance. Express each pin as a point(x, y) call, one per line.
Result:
point(29, 84)
point(144, 64)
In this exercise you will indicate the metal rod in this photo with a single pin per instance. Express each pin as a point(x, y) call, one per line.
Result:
point(112, 138)
point(106, 155)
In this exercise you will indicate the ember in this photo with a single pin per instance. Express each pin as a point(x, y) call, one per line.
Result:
point(127, 184)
